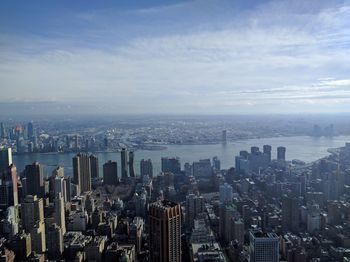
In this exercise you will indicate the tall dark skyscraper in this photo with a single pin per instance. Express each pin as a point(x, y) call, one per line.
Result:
point(2, 130)
point(110, 173)
point(5, 158)
point(34, 174)
point(281, 153)
point(8, 187)
point(165, 231)
point(146, 168)
point(194, 206)
point(124, 163)
point(32, 217)
point(171, 164)
point(131, 164)
point(94, 166)
point(82, 172)
point(290, 214)
point(216, 163)
point(267, 151)
point(30, 130)
point(224, 136)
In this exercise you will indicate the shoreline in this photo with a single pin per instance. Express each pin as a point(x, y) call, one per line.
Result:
point(165, 146)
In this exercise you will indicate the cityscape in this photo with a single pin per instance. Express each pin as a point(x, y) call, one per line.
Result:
point(264, 207)
point(175, 131)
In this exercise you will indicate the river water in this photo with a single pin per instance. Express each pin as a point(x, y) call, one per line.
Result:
point(304, 148)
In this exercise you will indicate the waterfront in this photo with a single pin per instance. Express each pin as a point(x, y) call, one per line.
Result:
point(304, 148)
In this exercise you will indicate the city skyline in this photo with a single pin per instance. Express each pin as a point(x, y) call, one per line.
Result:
point(175, 130)
point(176, 57)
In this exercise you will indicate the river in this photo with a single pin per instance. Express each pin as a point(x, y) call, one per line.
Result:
point(304, 148)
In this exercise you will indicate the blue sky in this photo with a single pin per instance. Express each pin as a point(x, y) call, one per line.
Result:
point(207, 57)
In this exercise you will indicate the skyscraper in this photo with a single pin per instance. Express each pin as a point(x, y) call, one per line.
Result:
point(2, 130)
point(30, 130)
point(267, 151)
point(110, 173)
point(60, 183)
point(224, 136)
point(131, 164)
point(194, 206)
point(124, 163)
point(227, 213)
point(34, 174)
point(264, 247)
point(54, 242)
point(290, 214)
point(32, 215)
point(171, 164)
point(76, 143)
point(281, 153)
point(165, 231)
point(94, 166)
point(202, 168)
point(216, 163)
point(146, 168)
point(8, 187)
point(5, 158)
point(59, 214)
point(82, 172)
point(225, 193)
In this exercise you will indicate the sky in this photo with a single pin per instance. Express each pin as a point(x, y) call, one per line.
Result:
point(174, 57)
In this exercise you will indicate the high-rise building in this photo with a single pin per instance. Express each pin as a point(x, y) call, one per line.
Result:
point(9, 226)
point(281, 153)
point(82, 172)
point(76, 143)
point(124, 163)
point(227, 213)
point(68, 142)
point(225, 193)
point(34, 174)
point(238, 230)
point(60, 183)
point(188, 169)
point(264, 247)
point(216, 163)
point(32, 216)
point(171, 164)
point(110, 173)
point(146, 168)
point(202, 168)
point(54, 242)
point(224, 136)
point(194, 206)
point(131, 164)
point(2, 130)
point(30, 130)
point(5, 158)
point(105, 142)
point(267, 151)
point(94, 166)
point(290, 214)
point(32, 212)
point(8, 187)
point(21, 244)
point(165, 231)
point(59, 215)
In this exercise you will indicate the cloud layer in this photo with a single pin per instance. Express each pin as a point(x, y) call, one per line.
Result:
point(190, 57)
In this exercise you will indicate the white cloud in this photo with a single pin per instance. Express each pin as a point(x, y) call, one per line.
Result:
point(263, 58)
